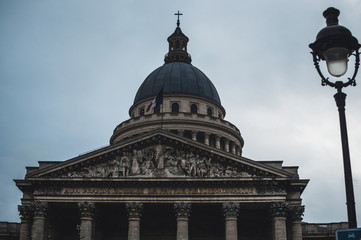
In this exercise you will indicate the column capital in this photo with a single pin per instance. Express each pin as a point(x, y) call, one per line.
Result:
point(86, 209)
point(134, 209)
point(279, 209)
point(26, 212)
point(230, 209)
point(296, 212)
point(40, 209)
point(183, 210)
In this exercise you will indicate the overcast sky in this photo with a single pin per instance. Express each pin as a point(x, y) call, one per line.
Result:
point(69, 71)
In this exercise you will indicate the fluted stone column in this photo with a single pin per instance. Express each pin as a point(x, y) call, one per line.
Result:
point(231, 210)
point(87, 210)
point(182, 213)
point(218, 141)
point(279, 212)
point(135, 210)
point(26, 214)
point(38, 228)
point(295, 215)
point(206, 138)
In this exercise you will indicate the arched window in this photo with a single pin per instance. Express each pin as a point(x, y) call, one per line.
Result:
point(141, 112)
point(209, 112)
point(175, 108)
point(194, 108)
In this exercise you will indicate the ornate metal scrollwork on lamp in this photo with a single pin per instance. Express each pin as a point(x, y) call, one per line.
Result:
point(335, 44)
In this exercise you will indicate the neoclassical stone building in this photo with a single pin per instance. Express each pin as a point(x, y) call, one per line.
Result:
point(173, 172)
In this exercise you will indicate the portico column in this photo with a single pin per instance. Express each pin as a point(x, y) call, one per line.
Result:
point(279, 211)
point(206, 138)
point(182, 213)
point(38, 229)
point(134, 215)
point(218, 141)
point(86, 220)
point(26, 214)
point(231, 210)
point(296, 213)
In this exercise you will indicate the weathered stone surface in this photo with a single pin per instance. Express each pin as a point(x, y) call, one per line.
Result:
point(162, 161)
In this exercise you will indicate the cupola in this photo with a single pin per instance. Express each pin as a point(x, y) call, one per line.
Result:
point(178, 46)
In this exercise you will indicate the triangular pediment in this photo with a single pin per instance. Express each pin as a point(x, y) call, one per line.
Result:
point(158, 154)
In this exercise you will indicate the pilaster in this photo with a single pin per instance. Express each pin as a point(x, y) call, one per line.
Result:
point(26, 213)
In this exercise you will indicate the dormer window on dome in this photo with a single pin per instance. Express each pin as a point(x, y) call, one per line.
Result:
point(178, 46)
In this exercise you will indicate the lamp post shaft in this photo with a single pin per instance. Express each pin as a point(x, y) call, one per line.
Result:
point(340, 98)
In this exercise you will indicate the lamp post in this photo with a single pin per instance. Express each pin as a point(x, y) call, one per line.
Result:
point(335, 44)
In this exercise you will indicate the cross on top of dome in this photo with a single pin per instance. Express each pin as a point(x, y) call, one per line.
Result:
point(178, 14)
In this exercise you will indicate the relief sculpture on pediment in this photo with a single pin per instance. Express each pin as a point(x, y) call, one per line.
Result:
point(161, 161)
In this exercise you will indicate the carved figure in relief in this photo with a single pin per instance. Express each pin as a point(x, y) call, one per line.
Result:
point(159, 156)
point(161, 161)
point(135, 164)
point(124, 166)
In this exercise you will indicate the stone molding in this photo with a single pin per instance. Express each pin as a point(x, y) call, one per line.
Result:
point(279, 209)
point(183, 210)
point(87, 209)
point(134, 210)
point(231, 209)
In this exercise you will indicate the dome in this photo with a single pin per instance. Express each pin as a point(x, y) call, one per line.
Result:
point(177, 78)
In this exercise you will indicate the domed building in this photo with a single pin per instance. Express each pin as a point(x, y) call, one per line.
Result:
point(173, 170)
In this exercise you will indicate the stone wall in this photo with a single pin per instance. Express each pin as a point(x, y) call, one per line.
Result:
point(9, 231)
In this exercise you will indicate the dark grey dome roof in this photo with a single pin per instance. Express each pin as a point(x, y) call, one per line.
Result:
point(177, 78)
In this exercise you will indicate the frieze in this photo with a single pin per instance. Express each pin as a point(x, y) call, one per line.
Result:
point(160, 191)
point(161, 161)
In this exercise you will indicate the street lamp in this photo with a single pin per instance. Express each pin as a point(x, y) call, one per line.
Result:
point(335, 45)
